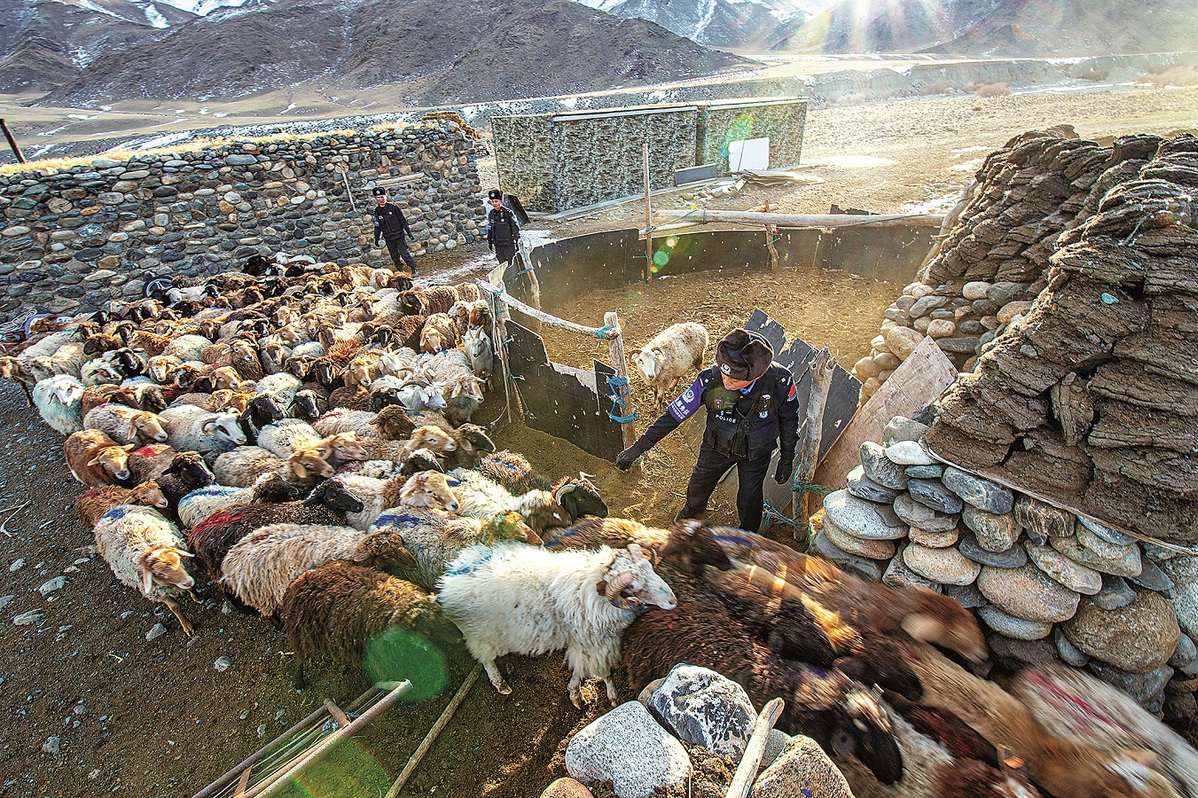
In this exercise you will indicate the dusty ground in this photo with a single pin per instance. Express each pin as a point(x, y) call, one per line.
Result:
point(155, 718)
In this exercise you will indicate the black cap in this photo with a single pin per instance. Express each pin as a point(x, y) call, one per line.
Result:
point(743, 355)
point(379, 191)
point(495, 194)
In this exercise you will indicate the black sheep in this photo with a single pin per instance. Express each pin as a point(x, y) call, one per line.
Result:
point(826, 705)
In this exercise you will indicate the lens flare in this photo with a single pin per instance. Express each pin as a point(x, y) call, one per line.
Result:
point(398, 654)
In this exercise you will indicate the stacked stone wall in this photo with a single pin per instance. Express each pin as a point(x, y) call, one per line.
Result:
point(1047, 585)
point(83, 235)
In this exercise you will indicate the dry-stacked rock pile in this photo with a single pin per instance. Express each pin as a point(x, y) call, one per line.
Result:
point(1048, 585)
point(1092, 397)
point(991, 264)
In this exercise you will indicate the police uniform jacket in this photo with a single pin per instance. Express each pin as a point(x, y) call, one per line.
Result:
point(746, 424)
point(389, 222)
point(502, 228)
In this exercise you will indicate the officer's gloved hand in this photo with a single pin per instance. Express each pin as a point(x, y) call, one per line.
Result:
point(626, 458)
point(785, 472)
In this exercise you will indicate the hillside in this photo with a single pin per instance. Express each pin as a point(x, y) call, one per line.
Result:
point(491, 51)
point(731, 24)
point(46, 43)
point(1013, 28)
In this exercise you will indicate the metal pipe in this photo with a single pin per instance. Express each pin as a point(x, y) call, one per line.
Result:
point(809, 220)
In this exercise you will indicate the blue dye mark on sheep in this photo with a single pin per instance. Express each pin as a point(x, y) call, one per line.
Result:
point(117, 513)
point(735, 539)
point(465, 566)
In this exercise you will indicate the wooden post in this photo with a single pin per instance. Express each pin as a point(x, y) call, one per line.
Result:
point(12, 142)
point(822, 368)
point(771, 233)
point(616, 348)
point(746, 771)
point(431, 737)
point(648, 221)
point(275, 784)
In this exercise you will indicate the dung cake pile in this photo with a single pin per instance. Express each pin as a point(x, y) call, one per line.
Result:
point(991, 263)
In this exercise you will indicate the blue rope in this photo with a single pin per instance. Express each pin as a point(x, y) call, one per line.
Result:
point(615, 384)
point(602, 332)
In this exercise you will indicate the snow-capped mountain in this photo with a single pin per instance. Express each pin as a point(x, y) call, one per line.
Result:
point(732, 24)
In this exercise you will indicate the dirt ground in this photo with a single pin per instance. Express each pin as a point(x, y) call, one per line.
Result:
point(156, 718)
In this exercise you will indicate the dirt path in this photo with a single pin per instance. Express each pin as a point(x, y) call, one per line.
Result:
point(155, 718)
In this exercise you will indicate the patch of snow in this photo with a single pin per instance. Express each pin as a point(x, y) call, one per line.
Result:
point(937, 205)
point(105, 108)
point(536, 238)
point(52, 132)
point(569, 102)
point(80, 117)
point(221, 114)
point(155, 18)
point(963, 150)
point(288, 108)
point(205, 7)
point(851, 161)
point(967, 166)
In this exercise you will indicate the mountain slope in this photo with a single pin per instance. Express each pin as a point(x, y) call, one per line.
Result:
point(517, 48)
point(1031, 28)
point(736, 24)
point(45, 43)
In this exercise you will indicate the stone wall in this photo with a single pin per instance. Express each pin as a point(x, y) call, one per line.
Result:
point(781, 120)
point(88, 233)
point(555, 162)
point(1046, 584)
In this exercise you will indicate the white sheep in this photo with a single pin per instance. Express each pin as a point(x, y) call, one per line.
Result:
point(288, 435)
point(99, 371)
point(671, 355)
point(482, 497)
point(263, 564)
point(125, 424)
point(281, 387)
point(143, 549)
point(67, 359)
point(515, 599)
point(187, 347)
point(193, 429)
point(59, 400)
point(245, 465)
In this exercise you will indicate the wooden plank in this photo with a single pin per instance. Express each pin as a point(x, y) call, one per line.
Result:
point(616, 348)
point(746, 771)
point(436, 730)
point(543, 317)
point(914, 385)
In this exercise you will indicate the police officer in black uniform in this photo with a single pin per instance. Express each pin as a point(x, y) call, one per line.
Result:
point(390, 224)
point(752, 408)
point(503, 232)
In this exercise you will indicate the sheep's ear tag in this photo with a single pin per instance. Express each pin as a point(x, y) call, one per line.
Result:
point(602, 588)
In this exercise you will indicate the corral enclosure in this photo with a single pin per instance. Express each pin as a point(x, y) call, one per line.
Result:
point(556, 162)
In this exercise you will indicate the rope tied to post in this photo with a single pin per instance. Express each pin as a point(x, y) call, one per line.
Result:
point(619, 394)
point(605, 332)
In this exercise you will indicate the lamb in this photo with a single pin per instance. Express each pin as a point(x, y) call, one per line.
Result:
point(671, 355)
point(839, 714)
point(921, 613)
point(434, 538)
point(95, 459)
point(482, 498)
point(465, 395)
point(212, 538)
point(472, 443)
point(92, 505)
point(203, 502)
point(578, 496)
point(336, 608)
point(391, 423)
point(438, 333)
point(512, 598)
point(261, 566)
point(192, 429)
point(59, 400)
point(287, 436)
point(144, 551)
point(1061, 767)
point(126, 425)
point(244, 465)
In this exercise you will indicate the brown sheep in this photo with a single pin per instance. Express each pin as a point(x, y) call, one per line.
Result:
point(97, 501)
point(334, 609)
point(96, 395)
point(148, 343)
point(438, 333)
point(1062, 767)
point(96, 459)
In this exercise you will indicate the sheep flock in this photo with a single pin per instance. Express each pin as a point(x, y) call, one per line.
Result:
point(300, 440)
